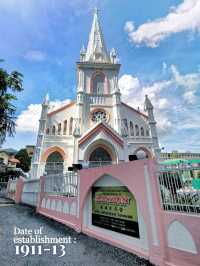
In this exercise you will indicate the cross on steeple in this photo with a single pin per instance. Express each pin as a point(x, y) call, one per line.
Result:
point(96, 11)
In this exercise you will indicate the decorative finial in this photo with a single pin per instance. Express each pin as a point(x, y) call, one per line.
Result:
point(113, 55)
point(96, 11)
point(147, 105)
point(46, 99)
point(82, 54)
point(83, 50)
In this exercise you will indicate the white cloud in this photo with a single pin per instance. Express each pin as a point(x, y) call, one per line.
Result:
point(184, 17)
point(189, 82)
point(35, 55)
point(28, 120)
point(163, 103)
point(128, 84)
point(129, 26)
point(175, 100)
point(133, 93)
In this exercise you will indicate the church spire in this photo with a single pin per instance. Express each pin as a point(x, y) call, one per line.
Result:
point(96, 49)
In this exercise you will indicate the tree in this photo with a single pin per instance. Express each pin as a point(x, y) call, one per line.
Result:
point(198, 174)
point(25, 160)
point(9, 84)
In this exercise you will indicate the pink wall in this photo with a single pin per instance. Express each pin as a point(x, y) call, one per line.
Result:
point(60, 216)
point(19, 189)
point(192, 223)
point(143, 185)
point(130, 174)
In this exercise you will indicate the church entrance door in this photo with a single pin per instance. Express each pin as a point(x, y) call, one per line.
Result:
point(99, 157)
point(54, 163)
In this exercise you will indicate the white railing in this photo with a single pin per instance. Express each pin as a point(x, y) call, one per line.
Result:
point(99, 99)
point(55, 167)
point(62, 184)
point(92, 164)
point(180, 189)
point(12, 186)
point(30, 192)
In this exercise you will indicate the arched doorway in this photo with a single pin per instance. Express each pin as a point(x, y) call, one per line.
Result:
point(100, 156)
point(142, 153)
point(54, 163)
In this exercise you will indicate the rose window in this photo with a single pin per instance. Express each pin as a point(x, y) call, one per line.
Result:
point(99, 115)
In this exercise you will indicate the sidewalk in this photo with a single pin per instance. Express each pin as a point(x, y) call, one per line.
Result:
point(83, 251)
point(5, 202)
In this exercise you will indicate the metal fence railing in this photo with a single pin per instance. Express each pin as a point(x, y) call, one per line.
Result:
point(180, 189)
point(92, 164)
point(62, 184)
point(53, 167)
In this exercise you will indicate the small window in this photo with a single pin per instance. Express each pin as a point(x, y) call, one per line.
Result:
point(98, 84)
point(125, 124)
point(59, 128)
point(131, 128)
point(147, 133)
point(47, 131)
point(53, 130)
point(142, 131)
point(137, 130)
point(70, 126)
point(65, 128)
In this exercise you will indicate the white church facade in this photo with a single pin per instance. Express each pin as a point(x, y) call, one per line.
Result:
point(97, 127)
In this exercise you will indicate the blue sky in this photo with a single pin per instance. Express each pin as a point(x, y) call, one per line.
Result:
point(157, 43)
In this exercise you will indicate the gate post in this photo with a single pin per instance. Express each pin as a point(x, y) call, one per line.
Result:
point(41, 193)
point(158, 255)
point(19, 190)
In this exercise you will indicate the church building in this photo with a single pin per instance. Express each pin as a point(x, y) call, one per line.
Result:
point(97, 128)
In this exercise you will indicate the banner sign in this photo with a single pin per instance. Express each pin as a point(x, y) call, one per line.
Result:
point(115, 208)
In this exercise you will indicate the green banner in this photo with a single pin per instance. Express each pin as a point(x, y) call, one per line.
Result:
point(115, 208)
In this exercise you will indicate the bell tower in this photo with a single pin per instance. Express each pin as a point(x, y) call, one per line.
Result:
point(97, 79)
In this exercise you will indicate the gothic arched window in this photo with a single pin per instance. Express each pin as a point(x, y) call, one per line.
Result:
point(137, 133)
point(131, 128)
point(59, 128)
point(54, 163)
point(53, 130)
point(65, 128)
point(125, 123)
point(70, 126)
point(47, 131)
point(98, 84)
point(142, 131)
point(147, 133)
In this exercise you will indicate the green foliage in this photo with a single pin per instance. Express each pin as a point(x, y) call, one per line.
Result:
point(25, 160)
point(9, 85)
point(10, 174)
point(198, 174)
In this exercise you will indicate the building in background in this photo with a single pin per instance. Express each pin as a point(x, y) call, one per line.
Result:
point(179, 155)
point(7, 158)
point(98, 127)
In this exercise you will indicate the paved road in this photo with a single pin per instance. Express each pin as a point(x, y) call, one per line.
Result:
point(84, 251)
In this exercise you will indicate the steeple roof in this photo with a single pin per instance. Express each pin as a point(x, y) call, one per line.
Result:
point(96, 49)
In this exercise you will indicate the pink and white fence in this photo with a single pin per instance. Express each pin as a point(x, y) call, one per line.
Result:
point(166, 236)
